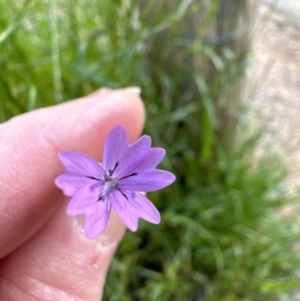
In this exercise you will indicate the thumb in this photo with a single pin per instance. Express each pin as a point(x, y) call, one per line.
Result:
point(58, 262)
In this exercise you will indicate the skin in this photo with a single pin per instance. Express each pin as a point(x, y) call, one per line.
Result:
point(44, 253)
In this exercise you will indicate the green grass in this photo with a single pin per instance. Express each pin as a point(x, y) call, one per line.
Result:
point(222, 235)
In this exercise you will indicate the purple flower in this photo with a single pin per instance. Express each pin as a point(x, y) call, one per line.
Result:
point(126, 170)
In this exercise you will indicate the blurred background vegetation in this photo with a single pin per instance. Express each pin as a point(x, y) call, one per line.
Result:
point(222, 235)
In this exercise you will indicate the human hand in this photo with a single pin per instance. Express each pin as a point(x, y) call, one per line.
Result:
point(44, 253)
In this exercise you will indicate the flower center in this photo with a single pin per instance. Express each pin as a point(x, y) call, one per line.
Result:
point(109, 185)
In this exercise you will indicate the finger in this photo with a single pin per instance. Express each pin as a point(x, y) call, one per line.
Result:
point(59, 262)
point(28, 155)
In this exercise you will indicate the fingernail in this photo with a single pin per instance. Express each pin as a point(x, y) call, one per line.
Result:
point(110, 237)
point(79, 224)
point(101, 91)
point(135, 90)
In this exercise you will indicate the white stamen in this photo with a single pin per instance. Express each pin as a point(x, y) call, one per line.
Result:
point(109, 185)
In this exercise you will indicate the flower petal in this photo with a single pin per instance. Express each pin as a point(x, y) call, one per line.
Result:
point(120, 202)
point(133, 157)
point(143, 208)
point(81, 165)
point(84, 198)
point(115, 145)
point(96, 220)
point(149, 181)
point(70, 183)
point(155, 156)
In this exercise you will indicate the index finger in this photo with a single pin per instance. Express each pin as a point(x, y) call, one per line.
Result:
point(28, 155)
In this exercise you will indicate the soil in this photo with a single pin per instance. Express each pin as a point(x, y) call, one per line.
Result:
point(275, 75)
